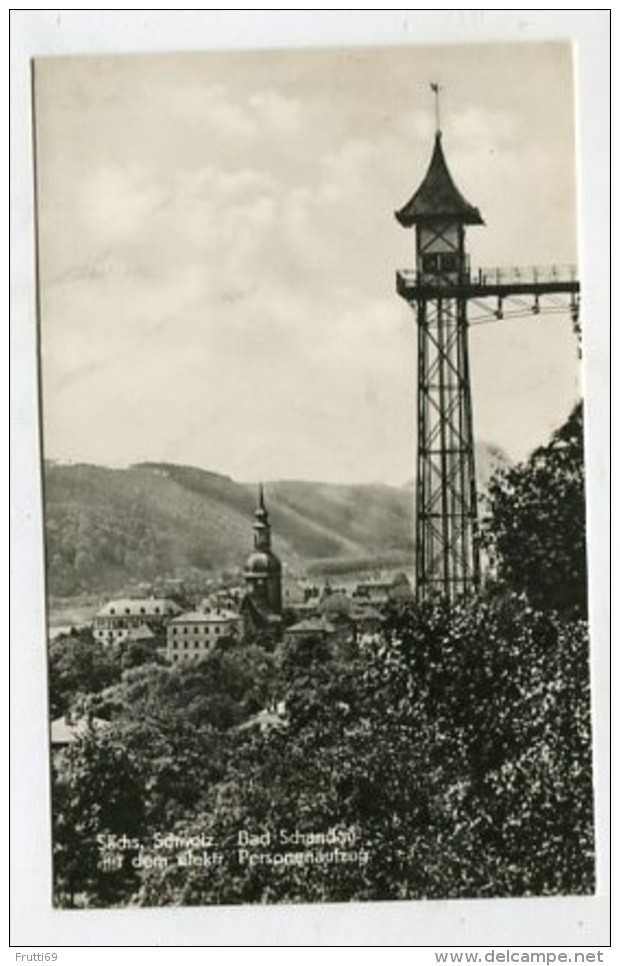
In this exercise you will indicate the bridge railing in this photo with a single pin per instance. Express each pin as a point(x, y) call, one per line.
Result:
point(507, 275)
point(497, 275)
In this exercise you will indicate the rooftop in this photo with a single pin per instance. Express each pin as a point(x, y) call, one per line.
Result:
point(66, 732)
point(359, 612)
point(311, 624)
point(438, 196)
point(213, 616)
point(139, 607)
point(141, 633)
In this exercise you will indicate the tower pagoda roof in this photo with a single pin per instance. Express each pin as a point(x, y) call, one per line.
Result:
point(438, 196)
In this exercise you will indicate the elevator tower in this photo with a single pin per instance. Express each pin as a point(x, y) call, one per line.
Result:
point(447, 553)
point(439, 289)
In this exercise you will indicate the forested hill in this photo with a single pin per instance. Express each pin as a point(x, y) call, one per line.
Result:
point(107, 527)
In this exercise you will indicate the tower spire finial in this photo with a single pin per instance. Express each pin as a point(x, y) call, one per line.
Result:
point(261, 497)
point(435, 87)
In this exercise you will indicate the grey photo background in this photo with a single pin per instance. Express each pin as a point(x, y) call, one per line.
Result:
point(539, 916)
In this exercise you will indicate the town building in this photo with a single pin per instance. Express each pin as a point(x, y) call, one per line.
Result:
point(191, 636)
point(68, 730)
point(294, 594)
point(229, 599)
point(367, 622)
point(124, 619)
point(310, 629)
point(351, 618)
point(382, 590)
point(141, 635)
point(273, 718)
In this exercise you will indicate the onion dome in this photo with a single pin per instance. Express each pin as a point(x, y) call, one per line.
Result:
point(261, 562)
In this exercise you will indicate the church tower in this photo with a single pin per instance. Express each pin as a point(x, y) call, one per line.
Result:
point(263, 570)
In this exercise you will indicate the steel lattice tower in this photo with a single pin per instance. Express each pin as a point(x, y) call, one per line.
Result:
point(439, 290)
point(447, 554)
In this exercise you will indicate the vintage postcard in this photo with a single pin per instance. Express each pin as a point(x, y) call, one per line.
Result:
point(314, 497)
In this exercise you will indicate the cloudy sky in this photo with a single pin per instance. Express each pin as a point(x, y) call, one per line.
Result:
point(218, 250)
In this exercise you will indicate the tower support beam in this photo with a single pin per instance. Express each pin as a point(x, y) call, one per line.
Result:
point(447, 553)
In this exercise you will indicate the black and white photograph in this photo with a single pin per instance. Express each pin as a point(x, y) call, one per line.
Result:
point(311, 335)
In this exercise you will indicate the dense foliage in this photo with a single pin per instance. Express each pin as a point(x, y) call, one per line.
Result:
point(456, 752)
point(79, 665)
point(448, 757)
point(536, 529)
point(160, 737)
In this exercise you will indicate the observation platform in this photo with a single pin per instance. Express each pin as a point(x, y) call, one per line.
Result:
point(497, 282)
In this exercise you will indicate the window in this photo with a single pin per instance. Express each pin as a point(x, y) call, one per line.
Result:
point(430, 264)
point(440, 263)
point(449, 262)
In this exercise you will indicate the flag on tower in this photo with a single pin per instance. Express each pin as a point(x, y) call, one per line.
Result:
point(435, 88)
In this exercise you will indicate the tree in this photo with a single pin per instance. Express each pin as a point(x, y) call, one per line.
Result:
point(79, 664)
point(536, 532)
point(96, 792)
point(137, 653)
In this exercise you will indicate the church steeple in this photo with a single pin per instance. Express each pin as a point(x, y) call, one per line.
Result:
point(263, 571)
point(262, 528)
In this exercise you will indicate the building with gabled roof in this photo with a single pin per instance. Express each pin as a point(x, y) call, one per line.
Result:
point(141, 634)
point(193, 635)
point(310, 627)
point(119, 619)
point(67, 730)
